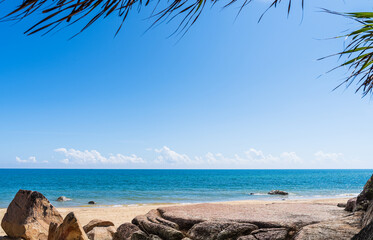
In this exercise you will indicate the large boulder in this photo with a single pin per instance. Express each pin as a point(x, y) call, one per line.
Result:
point(351, 205)
point(219, 230)
point(101, 233)
point(29, 215)
point(69, 229)
point(157, 228)
point(341, 229)
point(125, 231)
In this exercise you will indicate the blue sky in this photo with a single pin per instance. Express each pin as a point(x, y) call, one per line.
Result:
point(229, 94)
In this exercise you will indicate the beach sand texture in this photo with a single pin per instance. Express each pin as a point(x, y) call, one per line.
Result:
point(288, 211)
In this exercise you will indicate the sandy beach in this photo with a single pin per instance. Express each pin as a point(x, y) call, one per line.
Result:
point(120, 215)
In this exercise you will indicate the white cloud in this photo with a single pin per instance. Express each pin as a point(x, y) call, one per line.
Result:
point(249, 158)
point(166, 155)
point(29, 160)
point(321, 156)
point(94, 157)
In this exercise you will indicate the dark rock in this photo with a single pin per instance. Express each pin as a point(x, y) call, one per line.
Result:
point(342, 205)
point(138, 235)
point(28, 216)
point(270, 234)
point(69, 229)
point(159, 229)
point(154, 237)
point(367, 193)
point(365, 234)
point(97, 223)
point(219, 230)
point(278, 192)
point(92, 202)
point(63, 199)
point(351, 205)
point(125, 231)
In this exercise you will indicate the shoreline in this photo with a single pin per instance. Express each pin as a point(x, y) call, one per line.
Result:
point(277, 199)
point(122, 214)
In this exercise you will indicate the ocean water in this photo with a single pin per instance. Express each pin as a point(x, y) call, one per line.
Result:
point(126, 187)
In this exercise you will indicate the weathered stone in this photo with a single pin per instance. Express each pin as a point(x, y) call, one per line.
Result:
point(341, 229)
point(69, 229)
point(278, 192)
point(351, 205)
point(367, 193)
point(155, 217)
point(270, 234)
point(101, 233)
point(367, 224)
point(368, 215)
point(139, 235)
point(154, 237)
point(28, 216)
point(97, 223)
point(184, 223)
point(365, 234)
point(248, 237)
point(125, 231)
point(219, 230)
point(63, 199)
point(342, 205)
point(163, 231)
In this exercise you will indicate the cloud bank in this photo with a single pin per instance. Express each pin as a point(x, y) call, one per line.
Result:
point(166, 157)
point(73, 156)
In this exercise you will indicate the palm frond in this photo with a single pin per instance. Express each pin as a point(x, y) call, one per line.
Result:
point(358, 53)
point(57, 12)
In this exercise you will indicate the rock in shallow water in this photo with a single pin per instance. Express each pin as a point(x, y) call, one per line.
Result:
point(63, 199)
point(278, 192)
point(29, 215)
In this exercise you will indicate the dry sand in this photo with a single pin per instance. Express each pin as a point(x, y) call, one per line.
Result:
point(119, 215)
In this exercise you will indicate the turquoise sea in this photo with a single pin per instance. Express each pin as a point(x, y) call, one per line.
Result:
point(125, 187)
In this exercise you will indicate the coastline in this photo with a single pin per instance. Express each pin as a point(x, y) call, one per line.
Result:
point(121, 214)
